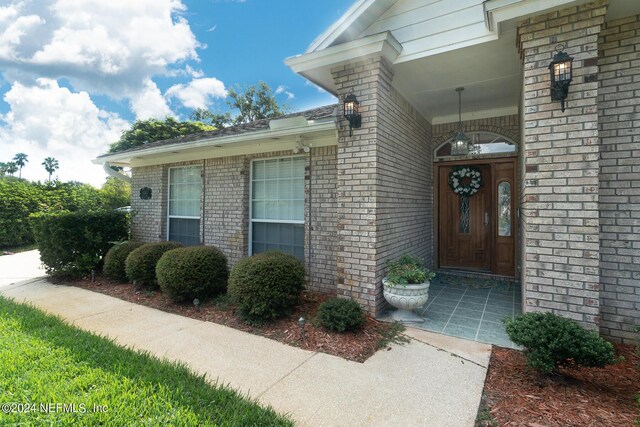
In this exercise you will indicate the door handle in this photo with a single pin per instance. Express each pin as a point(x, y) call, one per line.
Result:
point(486, 218)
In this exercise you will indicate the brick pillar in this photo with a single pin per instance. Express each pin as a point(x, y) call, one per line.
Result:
point(560, 200)
point(356, 184)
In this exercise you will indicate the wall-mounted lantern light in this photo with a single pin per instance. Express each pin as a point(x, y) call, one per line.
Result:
point(352, 111)
point(561, 75)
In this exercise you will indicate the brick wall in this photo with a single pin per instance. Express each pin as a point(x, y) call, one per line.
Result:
point(618, 108)
point(148, 223)
point(225, 201)
point(508, 126)
point(384, 184)
point(560, 200)
point(321, 218)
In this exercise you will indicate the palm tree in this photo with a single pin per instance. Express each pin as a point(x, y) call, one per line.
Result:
point(20, 159)
point(3, 169)
point(12, 168)
point(50, 164)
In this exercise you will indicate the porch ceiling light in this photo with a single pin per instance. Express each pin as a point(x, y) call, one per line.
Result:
point(561, 74)
point(352, 111)
point(460, 143)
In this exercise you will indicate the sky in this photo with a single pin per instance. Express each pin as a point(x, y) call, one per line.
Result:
point(75, 73)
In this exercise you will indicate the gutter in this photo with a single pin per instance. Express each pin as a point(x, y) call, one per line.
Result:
point(222, 141)
point(107, 168)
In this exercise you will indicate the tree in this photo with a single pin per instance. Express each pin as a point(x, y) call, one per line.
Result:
point(146, 131)
point(254, 103)
point(3, 169)
point(20, 159)
point(218, 121)
point(12, 168)
point(116, 193)
point(51, 165)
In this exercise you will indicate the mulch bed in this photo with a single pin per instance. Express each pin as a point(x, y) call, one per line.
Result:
point(517, 396)
point(357, 346)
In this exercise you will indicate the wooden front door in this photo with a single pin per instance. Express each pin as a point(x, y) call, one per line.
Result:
point(487, 244)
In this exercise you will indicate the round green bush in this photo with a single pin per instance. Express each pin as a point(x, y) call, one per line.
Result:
point(338, 314)
point(140, 265)
point(194, 272)
point(552, 341)
point(115, 258)
point(266, 286)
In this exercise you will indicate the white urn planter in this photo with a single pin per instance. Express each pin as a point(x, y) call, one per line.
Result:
point(406, 298)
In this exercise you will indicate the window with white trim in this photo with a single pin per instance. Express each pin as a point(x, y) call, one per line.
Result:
point(185, 185)
point(277, 206)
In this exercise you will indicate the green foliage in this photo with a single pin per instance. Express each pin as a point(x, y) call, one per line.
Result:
point(114, 260)
point(266, 286)
point(338, 314)
point(218, 121)
point(11, 168)
point(44, 360)
point(194, 272)
point(254, 103)
point(115, 193)
point(20, 198)
point(140, 265)
point(73, 243)
point(552, 341)
point(407, 270)
point(151, 130)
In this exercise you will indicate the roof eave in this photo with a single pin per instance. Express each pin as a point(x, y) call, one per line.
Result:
point(124, 158)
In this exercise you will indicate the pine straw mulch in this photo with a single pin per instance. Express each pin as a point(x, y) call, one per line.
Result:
point(517, 396)
point(356, 346)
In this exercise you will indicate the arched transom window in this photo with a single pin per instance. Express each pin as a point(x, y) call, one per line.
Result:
point(480, 143)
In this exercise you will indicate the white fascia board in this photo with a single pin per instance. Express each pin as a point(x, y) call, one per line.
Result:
point(355, 20)
point(124, 159)
point(383, 44)
point(497, 11)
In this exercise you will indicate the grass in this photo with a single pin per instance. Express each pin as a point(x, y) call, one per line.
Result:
point(44, 362)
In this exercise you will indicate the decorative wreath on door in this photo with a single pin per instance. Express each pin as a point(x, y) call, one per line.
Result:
point(465, 180)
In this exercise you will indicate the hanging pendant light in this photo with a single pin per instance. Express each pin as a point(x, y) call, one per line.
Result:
point(460, 143)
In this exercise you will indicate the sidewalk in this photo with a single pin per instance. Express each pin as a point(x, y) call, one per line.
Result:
point(433, 381)
point(20, 267)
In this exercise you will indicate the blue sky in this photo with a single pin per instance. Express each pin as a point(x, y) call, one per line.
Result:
point(75, 73)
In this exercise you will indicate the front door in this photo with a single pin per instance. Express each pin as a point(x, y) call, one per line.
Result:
point(465, 245)
point(478, 236)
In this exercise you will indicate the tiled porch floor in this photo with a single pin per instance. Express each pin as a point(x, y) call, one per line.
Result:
point(471, 307)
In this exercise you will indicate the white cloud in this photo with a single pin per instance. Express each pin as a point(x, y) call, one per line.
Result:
point(212, 29)
point(49, 120)
point(149, 102)
point(198, 93)
point(109, 47)
point(283, 89)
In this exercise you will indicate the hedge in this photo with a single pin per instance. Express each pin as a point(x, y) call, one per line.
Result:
point(140, 265)
point(74, 243)
point(114, 260)
point(194, 272)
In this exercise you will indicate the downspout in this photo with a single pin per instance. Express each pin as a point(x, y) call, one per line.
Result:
point(107, 168)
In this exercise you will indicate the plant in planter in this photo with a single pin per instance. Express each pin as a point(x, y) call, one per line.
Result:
point(406, 287)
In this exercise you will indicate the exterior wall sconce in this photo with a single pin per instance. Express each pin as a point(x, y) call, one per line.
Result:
point(352, 111)
point(561, 70)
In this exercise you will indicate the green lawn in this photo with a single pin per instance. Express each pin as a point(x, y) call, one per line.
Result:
point(64, 376)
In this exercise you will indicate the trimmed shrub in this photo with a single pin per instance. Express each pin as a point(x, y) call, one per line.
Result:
point(194, 272)
point(73, 243)
point(114, 260)
point(338, 314)
point(552, 341)
point(266, 286)
point(140, 265)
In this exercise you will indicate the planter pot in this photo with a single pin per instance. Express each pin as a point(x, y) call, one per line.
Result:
point(406, 298)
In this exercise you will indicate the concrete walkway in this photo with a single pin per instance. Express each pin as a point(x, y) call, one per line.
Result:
point(432, 381)
point(20, 267)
